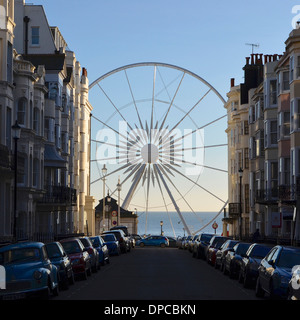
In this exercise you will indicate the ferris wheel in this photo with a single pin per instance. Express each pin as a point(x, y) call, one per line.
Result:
point(160, 131)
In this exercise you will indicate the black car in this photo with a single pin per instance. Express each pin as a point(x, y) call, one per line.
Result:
point(201, 242)
point(221, 254)
point(124, 242)
point(251, 261)
point(60, 259)
point(172, 242)
point(233, 259)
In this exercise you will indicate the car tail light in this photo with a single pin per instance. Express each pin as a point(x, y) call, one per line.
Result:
point(121, 239)
point(90, 251)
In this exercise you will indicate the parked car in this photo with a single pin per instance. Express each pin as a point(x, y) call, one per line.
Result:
point(121, 237)
point(233, 259)
point(136, 237)
point(172, 242)
point(180, 242)
point(294, 284)
point(93, 252)
point(112, 243)
point(123, 228)
point(221, 254)
point(250, 263)
point(60, 259)
point(161, 241)
point(186, 241)
point(201, 242)
point(191, 243)
point(275, 271)
point(80, 258)
point(102, 249)
point(214, 245)
point(29, 271)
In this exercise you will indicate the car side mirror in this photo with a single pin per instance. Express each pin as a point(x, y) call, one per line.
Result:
point(271, 262)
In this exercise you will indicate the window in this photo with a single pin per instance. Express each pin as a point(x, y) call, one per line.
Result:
point(21, 116)
point(9, 62)
point(36, 119)
point(273, 92)
point(246, 158)
point(8, 127)
point(295, 115)
point(285, 81)
point(284, 124)
point(273, 132)
point(35, 36)
point(291, 68)
point(298, 67)
point(35, 173)
point(246, 127)
point(274, 175)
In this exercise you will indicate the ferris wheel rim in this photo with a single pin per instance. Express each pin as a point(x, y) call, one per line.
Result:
point(160, 64)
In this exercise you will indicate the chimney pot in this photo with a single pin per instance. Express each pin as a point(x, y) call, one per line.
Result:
point(84, 72)
point(232, 82)
point(252, 58)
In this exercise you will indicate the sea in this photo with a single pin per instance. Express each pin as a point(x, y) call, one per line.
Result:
point(149, 223)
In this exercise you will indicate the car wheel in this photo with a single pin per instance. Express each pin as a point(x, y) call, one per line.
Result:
point(162, 245)
point(259, 292)
point(47, 292)
point(108, 261)
point(142, 244)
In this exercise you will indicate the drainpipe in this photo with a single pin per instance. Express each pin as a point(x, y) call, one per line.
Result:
point(26, 20)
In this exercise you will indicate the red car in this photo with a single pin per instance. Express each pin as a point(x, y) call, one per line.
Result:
point(213, 247)
point(80, 258)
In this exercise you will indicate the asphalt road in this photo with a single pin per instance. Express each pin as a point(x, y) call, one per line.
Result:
point(157, 274)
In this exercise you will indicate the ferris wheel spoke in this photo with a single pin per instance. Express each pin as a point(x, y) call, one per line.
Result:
point(153, 96)
point(165, 118)
point(197, 184)
point(133, 186)
point(164, 200)
point(211, 221)
point(172, 198)
point(200, 128)
point(136, 109)
point(117, 110)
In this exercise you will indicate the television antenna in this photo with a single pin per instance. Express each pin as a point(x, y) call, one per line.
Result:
point(253, 45)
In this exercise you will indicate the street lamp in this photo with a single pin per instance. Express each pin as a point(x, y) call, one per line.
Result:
point(161, 230)
point(119, 187)
point(241, 176)
point(16, 133)
point(104, 172)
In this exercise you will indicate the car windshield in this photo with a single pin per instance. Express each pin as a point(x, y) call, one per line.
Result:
point(288, 259)
point(85, 242)
point(71, 247)
point(242, 248)
point(117, 234)
point(109, 237)
point(259, 252)
point(217, 243)
point(95, 242)
point(53, 251)
point(206, 237)
point(19, 255)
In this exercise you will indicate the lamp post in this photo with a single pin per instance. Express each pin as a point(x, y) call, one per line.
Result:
point(161, 230)
point(16, 133)
point(107, 207)
point(241, 176)
point(104, 172)
point(119, 187)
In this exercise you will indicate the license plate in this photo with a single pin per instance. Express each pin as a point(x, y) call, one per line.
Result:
point(15, 296)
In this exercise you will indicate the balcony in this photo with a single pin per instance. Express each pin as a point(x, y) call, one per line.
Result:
point(268, 196)
point(59, 195)
point(234, 210)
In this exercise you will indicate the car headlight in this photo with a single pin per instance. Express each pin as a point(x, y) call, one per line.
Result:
point(37, 275)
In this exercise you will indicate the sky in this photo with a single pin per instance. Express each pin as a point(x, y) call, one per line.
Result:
point(208, 38)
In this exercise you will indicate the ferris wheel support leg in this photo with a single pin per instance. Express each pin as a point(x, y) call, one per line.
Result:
point(133, 187)
point(173, 201)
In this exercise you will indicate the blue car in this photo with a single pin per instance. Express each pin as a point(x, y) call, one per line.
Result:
point(249, 265)
point(153, 241)
point(112, 244)
point(28, 271)
point(275, 271)
point(102, 249)
point(60, 259)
